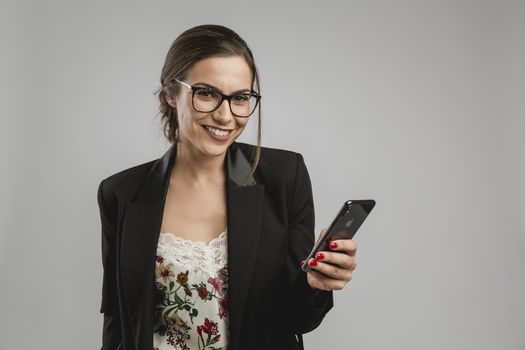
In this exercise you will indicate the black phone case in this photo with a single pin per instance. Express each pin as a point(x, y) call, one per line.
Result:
point(345, 225)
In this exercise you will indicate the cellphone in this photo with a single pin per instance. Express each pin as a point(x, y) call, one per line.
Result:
point(345, 225)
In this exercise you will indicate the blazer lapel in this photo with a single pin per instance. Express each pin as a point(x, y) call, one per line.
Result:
point(140, 233)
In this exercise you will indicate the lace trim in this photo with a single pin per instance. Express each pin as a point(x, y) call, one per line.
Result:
point(210, 257)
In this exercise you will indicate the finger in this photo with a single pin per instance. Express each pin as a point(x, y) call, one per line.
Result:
point(316, 280)
point(334, 271)
point(320, 281)
point(340, 259)
point(344, 245)
point(330, 270)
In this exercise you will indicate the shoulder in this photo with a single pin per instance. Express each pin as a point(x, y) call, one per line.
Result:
point(274, 159)
point(276, 164)
point(125, 181)
point(269, 153)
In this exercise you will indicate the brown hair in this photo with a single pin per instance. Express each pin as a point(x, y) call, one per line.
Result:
point(191, 46)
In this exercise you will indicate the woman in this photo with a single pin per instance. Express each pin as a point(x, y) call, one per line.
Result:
point(202, 247)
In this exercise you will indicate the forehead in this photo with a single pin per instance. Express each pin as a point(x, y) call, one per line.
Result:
point(228, 73)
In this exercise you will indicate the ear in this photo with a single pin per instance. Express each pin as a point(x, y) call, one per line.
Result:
point(172, 101)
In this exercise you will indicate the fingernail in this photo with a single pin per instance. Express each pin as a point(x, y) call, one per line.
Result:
point(333, 245)
point(319, 256)
point(313, 262)
point(302, 262)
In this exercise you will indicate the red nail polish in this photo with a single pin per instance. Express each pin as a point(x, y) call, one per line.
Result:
point(302, 262)
point(333, 245)
point(313, 262)
point(319, 256)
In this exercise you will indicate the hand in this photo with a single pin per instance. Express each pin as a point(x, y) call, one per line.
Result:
point(332, 270)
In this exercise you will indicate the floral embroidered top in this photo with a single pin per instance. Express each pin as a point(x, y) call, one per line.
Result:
point(191, 308)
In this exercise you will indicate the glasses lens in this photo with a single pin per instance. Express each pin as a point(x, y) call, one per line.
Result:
point(205, 100)
point(243, 105)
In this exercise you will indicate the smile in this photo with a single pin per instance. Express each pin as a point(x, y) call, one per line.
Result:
point(217, 132)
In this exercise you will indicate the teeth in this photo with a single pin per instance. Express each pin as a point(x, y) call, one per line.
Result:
point(216, 131)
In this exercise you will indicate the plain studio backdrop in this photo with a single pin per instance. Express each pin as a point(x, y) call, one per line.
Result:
point(416, 104)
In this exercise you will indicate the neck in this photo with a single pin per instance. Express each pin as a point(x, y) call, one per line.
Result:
point(196, 169)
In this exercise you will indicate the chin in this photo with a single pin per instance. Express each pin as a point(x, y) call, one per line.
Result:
point(215, 150)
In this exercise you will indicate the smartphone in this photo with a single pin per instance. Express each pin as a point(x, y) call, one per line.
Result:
point(345, 225)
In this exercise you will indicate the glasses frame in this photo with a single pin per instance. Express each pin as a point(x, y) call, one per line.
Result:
point(194, 89)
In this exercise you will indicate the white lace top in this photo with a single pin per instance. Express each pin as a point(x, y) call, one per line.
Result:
point(191, 310)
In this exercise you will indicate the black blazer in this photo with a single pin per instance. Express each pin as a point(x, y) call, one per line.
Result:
point(270, 220)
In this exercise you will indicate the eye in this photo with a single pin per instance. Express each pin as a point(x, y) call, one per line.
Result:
point(241, 98)
point(206, 93)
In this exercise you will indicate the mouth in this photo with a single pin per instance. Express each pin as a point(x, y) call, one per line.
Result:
point(218, 134)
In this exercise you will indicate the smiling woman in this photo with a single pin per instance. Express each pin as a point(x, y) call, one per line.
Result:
point(202, 247)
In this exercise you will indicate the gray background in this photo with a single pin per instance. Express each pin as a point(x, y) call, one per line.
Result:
point(417, 104)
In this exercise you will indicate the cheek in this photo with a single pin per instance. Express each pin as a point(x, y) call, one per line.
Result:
point(239, 131)
point(242, 125)
point(187, 119)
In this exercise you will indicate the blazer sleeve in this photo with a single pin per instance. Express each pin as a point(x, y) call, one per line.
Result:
point(111, 334)
point(308, 306)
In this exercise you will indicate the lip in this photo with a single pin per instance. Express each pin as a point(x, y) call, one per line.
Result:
point(215, 137)
point(216, 127)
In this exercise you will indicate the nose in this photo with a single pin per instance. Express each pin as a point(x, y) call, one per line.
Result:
point(223, 113)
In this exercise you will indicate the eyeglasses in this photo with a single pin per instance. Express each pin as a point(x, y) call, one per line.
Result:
point(206, 99)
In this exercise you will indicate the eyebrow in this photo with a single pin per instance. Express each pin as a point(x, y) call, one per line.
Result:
point(216, 88)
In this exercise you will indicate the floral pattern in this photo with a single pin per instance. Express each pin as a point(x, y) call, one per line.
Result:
point(191, 309)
